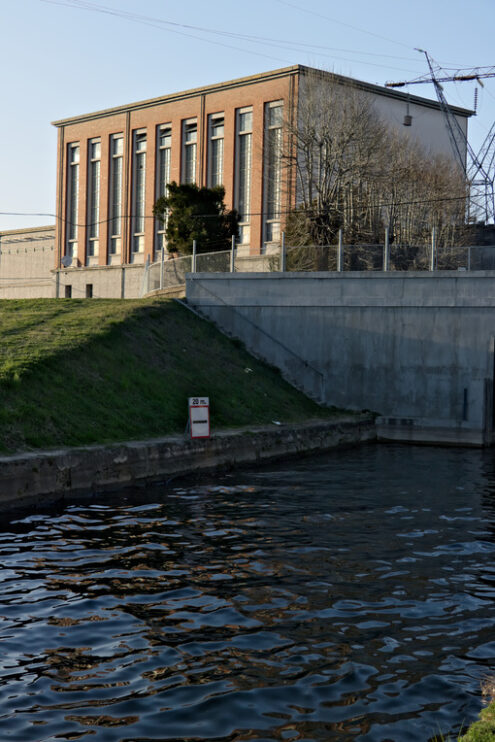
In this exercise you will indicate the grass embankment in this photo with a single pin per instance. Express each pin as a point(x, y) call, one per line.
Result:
point(482, 730)
point(75, 372)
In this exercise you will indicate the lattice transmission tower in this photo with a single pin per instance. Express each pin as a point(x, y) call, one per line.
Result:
point(479, 168)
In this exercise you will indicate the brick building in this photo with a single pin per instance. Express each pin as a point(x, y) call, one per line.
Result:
point(114, 164)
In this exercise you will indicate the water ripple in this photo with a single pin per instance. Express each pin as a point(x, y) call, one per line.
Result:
point(345, 597)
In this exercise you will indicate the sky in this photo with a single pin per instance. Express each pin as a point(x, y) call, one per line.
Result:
point(61, 58)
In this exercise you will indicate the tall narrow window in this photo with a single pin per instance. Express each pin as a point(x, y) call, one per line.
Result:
point(273, 169)
point(93, 231)
point(189, 148)
point(164, 146)
point(115, 205)
point(215, 153)
point(243, 174)
point(139, 192)
point(72, 212)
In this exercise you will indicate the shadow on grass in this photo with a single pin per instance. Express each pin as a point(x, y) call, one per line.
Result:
point(105, 370)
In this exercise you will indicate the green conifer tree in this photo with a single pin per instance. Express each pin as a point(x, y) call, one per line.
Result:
point(196, 213)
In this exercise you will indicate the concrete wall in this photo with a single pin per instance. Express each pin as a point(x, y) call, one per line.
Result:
point(109, 282)
point(26, 261)
point(418, 348)
point(42, 477)
point(27, 270)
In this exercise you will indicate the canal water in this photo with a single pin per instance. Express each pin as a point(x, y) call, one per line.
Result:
point(344, 597)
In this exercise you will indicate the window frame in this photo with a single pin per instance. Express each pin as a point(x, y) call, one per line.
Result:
point(139, 137)
point(187, 148)
point(93, 186)
point(116, 155)
point(243, 199)
point(212, 140)
point(72, 199)
point(272, 202)
point(161, 187)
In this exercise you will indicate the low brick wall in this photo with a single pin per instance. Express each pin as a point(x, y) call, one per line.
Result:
point(42, 477)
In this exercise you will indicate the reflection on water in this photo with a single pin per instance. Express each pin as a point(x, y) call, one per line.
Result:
point(343, 597)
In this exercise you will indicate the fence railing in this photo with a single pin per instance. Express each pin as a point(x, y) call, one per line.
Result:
point(171, 272)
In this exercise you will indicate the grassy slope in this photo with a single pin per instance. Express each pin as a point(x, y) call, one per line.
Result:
point(88, 371)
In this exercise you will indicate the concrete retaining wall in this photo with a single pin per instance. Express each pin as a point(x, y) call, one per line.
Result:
point(27, 271)
point(108, 282)
point(418, 348)
point(46, 476)
point(27, 259)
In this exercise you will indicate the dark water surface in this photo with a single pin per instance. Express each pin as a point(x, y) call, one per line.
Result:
point(343, 597)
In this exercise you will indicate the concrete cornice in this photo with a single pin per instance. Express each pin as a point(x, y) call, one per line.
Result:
point(254, 79)
point(26, 230)
point(182, 95)
point(383, 91)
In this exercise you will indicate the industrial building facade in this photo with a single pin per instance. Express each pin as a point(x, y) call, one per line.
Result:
point(114, 164)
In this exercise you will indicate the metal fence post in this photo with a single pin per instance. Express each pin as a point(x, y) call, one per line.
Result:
point(193, 265)
point(146, 277)
point(433, 250)
point(232, 256)
point(386, 251)
point(283, 254)
point(340, 252)
point(162, 266)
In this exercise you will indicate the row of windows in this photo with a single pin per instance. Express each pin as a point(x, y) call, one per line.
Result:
point(215, 176)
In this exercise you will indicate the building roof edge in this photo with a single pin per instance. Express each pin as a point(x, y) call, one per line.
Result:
point(252, 79)
point(25, 230)
point(191, 93)
point(387, 92)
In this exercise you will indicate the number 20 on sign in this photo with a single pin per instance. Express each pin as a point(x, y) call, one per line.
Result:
point(199, 417)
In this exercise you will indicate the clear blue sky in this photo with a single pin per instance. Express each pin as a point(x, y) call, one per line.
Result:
point(65, 57)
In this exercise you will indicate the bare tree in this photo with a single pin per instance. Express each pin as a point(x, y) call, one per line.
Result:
point(334, 145)
point(353, 173)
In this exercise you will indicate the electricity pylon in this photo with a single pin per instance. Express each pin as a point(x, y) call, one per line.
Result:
point(479, 169)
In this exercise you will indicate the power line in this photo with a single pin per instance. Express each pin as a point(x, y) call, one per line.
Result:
point(26, 213)
point(230, 34)
point(342, 23)
point(284, 44)
point(157, 23)
point(282, 212)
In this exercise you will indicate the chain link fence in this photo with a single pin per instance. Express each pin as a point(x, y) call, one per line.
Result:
point(171, 273)
point(394, 258)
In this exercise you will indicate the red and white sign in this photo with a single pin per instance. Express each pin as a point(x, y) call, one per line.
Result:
point(199, 417)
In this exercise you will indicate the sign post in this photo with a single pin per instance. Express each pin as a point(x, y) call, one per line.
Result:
point(199, 417)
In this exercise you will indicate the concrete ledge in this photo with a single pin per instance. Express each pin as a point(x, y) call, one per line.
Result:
point(409, 430)
point(421, 290)
point(172, 292)
point(42, 477)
